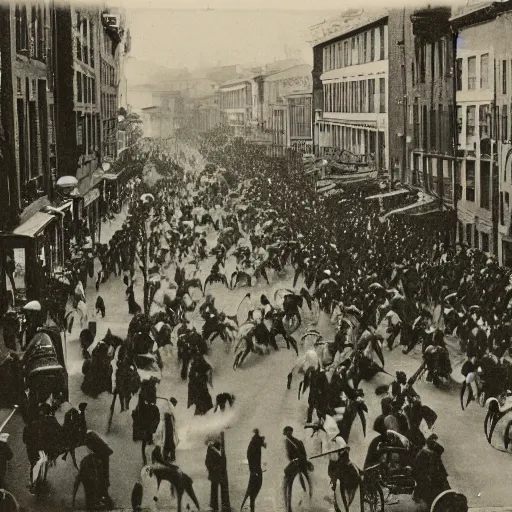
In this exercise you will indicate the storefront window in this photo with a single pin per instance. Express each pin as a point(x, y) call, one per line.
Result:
point(14, 275)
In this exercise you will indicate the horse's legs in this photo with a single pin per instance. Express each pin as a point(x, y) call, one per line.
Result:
point(244, 355)
point(289, 381)
point(73, 457)
point(144, 459)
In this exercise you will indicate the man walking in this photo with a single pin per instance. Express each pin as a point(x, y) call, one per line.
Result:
point(255, 471)
point(299, 465)
point(216, 468)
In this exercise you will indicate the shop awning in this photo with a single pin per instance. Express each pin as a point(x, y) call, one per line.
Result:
point(427, 204)
point(33, 226)
point(393, 193)
point(110, 176)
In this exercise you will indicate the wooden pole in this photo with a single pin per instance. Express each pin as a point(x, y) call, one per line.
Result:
point(224, 489)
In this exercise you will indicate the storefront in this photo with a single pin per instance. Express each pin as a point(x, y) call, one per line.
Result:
point(91, 212)
point(27, 257)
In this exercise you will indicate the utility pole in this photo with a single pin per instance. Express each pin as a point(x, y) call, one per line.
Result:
point(224, 488)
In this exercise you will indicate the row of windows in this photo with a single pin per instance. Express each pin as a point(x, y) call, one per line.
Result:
point(368, 46)
point(300, 117)
point(108, 105)
point(430, 59)
point(359, 96)
point(87, 132)
point(31, 36)
point(85, 40)
point(431, 127)
point(108, 74)
point(429, 172)
point(481, 127)
point(477, 75)
point(475, 238)
point(484, 184)
point(85, 88)
point(234, 99)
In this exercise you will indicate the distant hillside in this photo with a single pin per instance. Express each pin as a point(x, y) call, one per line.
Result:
point(141, 72)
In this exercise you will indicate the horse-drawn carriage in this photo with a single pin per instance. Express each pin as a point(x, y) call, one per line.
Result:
point(44, 368)
point(38, 375)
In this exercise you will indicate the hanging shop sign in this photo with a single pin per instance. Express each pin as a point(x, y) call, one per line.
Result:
point(91, 196)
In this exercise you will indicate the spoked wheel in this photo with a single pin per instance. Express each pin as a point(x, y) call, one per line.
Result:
point(372, 498)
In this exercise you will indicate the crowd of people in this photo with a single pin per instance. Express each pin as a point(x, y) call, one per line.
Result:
point(257, 203)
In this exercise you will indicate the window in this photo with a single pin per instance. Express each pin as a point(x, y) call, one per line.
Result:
point(433, 60)
point(433, 130)
point(472, 73)
point(470, 180)
point(485, 184)
point(416, 124)
point(484, 237)
point(79, 87)
point(470, 123)
point(469, 234)
point(504, 124)
point(458, 74)
point(382, 43)
point(371, 95)
point(422, 62)
point(484, 71)
point(372, 45)
point(93, 90)
point(365, 47)
point(382, 95)
point(484, 122)
point(78, 49)
point(21, 28)
point(504, 77)
point(441, 52)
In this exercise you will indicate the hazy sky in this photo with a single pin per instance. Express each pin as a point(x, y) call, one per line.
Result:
point(191, 38)
point(191, 33)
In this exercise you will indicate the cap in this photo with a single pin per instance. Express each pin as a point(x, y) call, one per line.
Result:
point(287, 429)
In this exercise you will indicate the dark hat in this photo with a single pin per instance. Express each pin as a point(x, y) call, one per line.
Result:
point(287, 429)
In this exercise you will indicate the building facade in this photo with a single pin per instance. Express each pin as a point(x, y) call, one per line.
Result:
point(351, 85)
point(428, 160)
point(274, 107)
point(50, 127)
point(31, 240)
point(484, 96)
point(236, 104)
point(300, 121)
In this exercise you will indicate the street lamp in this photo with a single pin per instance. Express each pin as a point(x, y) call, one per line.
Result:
point(66, 186)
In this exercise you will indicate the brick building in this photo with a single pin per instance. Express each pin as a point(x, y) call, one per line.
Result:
point(351, 96)
point(484, 97)
point(50, 126)
point(428, 160)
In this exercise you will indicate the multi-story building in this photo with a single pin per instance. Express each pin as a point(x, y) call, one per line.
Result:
point(484, 96)
point(427, 134)
point(207, 113)
point(277, 86)
point(351, 85)
point(236, 99)
point(30, 239)
point(164, 117)
point(300, 121)
point(110, 53)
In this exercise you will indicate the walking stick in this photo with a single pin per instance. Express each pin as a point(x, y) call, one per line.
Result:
point(224, 488)
point(111, 415)
point(3, 425)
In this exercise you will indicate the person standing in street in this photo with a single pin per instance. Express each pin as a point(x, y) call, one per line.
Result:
point(255, 470)
point(216, 467)
point(299, 465)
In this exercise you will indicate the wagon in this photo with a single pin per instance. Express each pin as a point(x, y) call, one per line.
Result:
point(44, 369)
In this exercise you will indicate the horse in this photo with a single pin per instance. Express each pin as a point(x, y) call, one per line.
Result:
point(178, 480)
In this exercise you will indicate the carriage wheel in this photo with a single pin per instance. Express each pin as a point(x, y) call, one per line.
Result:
point(291, 324)
point(372, 498)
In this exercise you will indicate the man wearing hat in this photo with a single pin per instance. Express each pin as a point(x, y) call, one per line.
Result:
point(256, 472)
point(299, 464)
